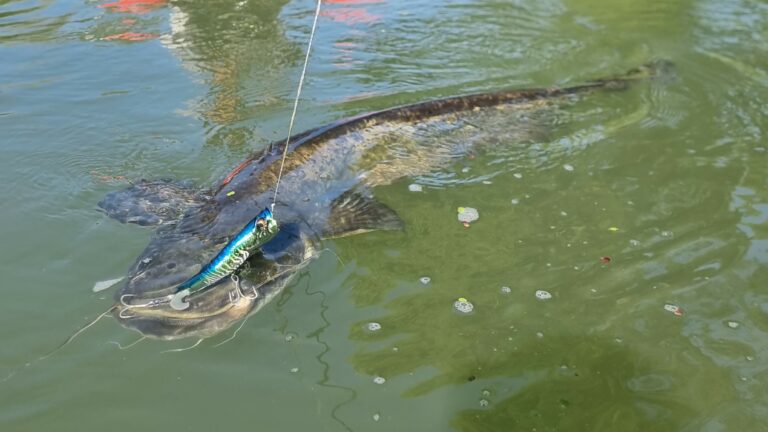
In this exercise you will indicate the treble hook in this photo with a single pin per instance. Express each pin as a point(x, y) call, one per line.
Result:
point(239, 291)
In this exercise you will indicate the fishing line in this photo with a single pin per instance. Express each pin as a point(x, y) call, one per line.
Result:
point(296, 102)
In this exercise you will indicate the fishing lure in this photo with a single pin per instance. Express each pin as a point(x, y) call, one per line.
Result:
point(256, 233)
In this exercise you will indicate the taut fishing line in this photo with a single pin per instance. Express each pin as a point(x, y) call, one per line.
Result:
point(296, 103)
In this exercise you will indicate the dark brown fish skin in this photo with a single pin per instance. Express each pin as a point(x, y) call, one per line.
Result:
point(316, 174)
point(302, 145)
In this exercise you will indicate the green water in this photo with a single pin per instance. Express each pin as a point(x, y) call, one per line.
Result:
point(667, 179)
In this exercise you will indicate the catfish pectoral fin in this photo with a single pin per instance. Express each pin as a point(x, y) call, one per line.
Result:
point(354, 213)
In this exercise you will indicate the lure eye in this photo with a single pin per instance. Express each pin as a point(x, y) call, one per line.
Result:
point(261, 223)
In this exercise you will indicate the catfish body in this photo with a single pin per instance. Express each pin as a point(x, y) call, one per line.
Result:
point(326, 191)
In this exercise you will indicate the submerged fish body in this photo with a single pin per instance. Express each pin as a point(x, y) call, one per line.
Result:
point(325, 192)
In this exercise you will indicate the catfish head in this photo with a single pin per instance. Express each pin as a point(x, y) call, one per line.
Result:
point(177, 252)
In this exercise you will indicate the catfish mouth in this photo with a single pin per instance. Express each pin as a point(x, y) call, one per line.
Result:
point(219, 306)
point(209, 313)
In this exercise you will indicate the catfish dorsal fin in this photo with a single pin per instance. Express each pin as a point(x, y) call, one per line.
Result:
point(354, 213)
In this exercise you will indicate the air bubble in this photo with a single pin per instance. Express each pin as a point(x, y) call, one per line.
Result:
point(463, 305)
point(468, 214)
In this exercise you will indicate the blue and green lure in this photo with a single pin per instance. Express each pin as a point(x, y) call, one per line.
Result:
point(256, 233)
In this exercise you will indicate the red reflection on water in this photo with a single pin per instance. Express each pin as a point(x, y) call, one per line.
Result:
point(350, 15)
point(131, 36)
point(134, 6)
point(352, 2)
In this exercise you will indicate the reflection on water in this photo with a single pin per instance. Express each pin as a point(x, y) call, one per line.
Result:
point(241, 49)
point(27, 21)
point(666, 179)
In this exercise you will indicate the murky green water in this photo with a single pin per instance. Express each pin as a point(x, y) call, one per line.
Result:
point(667, 179)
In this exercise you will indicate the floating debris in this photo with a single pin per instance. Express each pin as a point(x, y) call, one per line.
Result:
point(484, 402)
point(506, 290)
point(379, 380)
point(290, 336)
point(613, 229)
point(605, 259)
point(465, 169)
point(487, 182)
point(468, 214)
point(674, 309)
point(231, 193)
point(517, 175)
point(102, 285)
point(415, 187)
point(376, 417)
point(463, 305)
point(539, 335)
point(562, 213)
point(425, 280)
point(733, 324)
point(515, 201)
point(543, 295)
point(634, 243)
point(568, 167)
point(294, 370)
point(373, 326)
point(667, 234)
